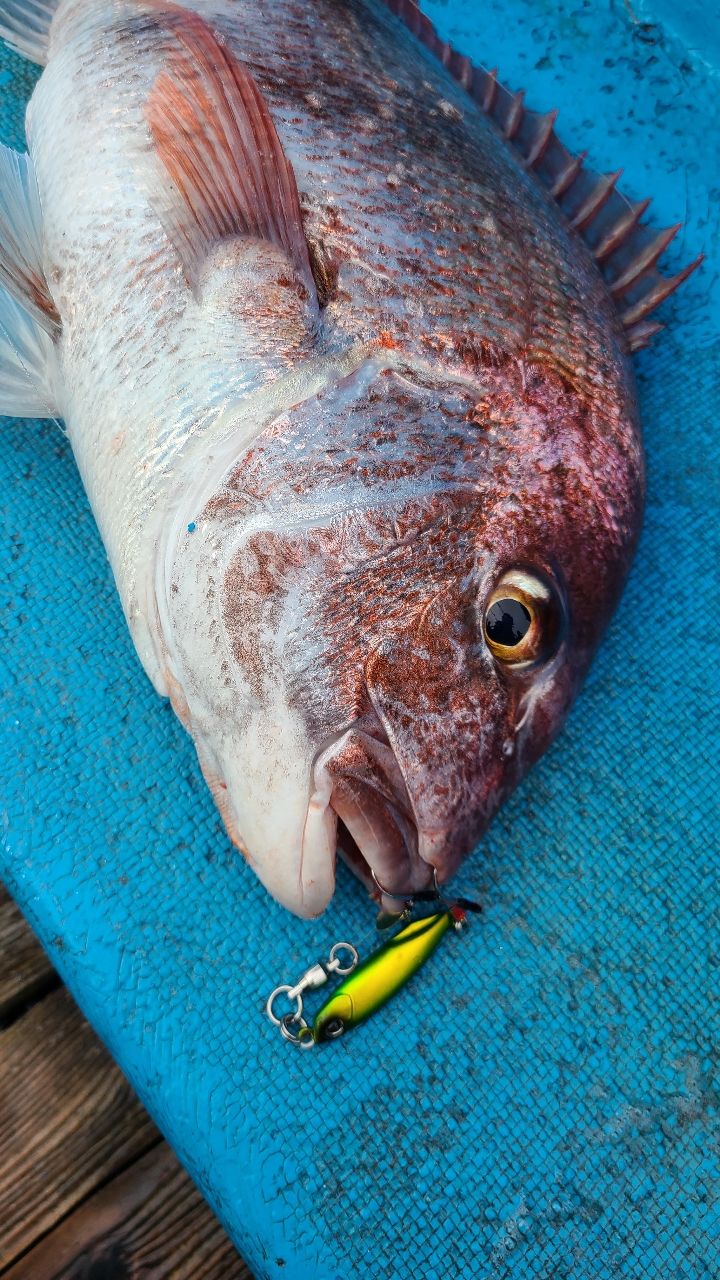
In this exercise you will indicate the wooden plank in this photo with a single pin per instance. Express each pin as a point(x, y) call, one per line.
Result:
point(25, 971)
point(68, 1121)
point(148, 1222)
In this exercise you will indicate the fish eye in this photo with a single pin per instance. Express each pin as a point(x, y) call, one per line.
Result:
point(523, 618)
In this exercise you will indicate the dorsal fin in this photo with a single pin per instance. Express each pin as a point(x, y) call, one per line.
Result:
point(216, 139)
point(625, 249)
point(25, 26)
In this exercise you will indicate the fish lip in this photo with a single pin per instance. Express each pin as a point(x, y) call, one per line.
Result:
point(320, 827)
point(431, 841)
point(316, 866)
point(387, 735)
point(367, 793)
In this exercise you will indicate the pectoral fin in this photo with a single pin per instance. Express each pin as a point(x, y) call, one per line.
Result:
point(228, 173)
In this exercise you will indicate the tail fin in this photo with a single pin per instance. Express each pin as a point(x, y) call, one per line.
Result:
point(25, 26)
point(27, 364)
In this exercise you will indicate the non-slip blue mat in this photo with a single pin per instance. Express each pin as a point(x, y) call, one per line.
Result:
point(543, 1103)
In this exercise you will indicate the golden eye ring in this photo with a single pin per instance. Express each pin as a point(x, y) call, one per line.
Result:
point(522, 623)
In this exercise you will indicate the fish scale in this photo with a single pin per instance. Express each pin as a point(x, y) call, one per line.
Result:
point(325, 310)
point(504, 288)
point(462, 207)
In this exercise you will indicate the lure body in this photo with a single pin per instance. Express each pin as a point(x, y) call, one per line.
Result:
point(377, 979)
point(321, 309)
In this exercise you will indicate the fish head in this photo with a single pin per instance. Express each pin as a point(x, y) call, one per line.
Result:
point(384, 611)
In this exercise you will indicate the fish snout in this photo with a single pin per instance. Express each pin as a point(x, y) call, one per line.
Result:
point(448, 722)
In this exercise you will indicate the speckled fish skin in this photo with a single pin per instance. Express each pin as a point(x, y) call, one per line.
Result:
point(356, 482)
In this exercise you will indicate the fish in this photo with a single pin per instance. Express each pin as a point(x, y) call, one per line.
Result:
point(341, 336)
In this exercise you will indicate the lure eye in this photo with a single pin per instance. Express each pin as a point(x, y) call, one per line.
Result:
point(523, 618)
point(334, 1028)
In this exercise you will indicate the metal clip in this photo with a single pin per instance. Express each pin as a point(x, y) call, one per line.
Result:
point(314, 977)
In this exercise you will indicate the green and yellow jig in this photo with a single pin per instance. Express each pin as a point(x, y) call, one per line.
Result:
point(366, 985)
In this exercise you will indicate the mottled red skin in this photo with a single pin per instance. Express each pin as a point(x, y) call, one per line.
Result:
point(524, 473)
point(432, 244)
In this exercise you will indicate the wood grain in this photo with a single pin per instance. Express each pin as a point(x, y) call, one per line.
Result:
point(88, 1190)
point(68, 1120)
point(25, 971)
point(149, 1222)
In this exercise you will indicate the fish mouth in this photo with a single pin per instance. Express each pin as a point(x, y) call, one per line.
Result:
point(376, 834)
point(359, 808)
point(376, 839)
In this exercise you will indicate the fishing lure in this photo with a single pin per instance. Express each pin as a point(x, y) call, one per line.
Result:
point(370, 984)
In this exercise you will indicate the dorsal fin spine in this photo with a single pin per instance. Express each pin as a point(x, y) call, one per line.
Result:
point(460, 67)
point(638, 335)
point(491, 91)
point(609, 223)
point(544, 134)
point(514, 115)
point(644, 260)
point(595, 200)
point(661, 289)
point(621, 229)
point(567, 176)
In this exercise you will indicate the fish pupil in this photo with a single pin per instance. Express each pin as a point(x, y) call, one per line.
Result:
point(507, 622)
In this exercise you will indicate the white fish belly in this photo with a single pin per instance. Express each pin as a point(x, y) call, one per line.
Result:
point(145, 368)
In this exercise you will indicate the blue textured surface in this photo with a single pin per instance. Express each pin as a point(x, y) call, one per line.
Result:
point(544, 1101)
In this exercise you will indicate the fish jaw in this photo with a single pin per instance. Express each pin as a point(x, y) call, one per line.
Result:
point(459, 734)
point(376, 833)
point(275, 807)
